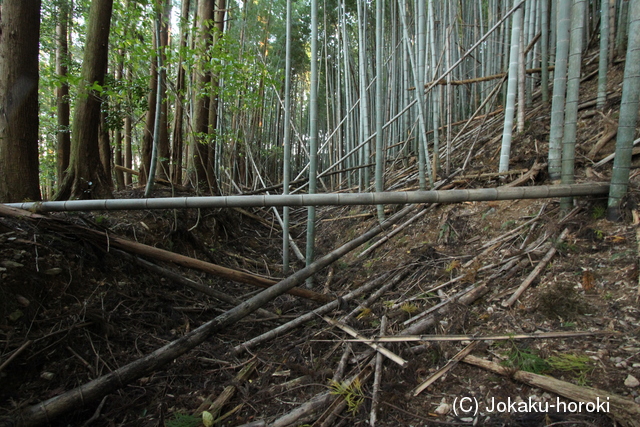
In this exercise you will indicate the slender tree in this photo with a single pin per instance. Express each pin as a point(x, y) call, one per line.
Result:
point(559, 89)
point(19, 37)
point(379, 177)
point(62, 92)
point(86, 177)
point(573, 89)
point(313, 137)
point(509, 109)
point(628, 116)
point(603, 64)
point(286, 173)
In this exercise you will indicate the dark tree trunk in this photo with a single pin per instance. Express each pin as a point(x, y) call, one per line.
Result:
point(147, 137)
point(178, 140)
point(62, 93)
point(104, 145)
point(86, 178)
point(19, 43)
point(118, 157)
point(163, 138)
point(128, 153)
point(201, 160)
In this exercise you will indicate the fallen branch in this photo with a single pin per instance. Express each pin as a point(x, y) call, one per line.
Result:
point(536, 271)
point(377, 379)
point(495, 337)
point(177, 278)
point(15, 354)
point(622, 410)
point(315, 313)
point(349, 330)
point(215, 406)
point(613, 155)
point(446, 368)
point(46, 411)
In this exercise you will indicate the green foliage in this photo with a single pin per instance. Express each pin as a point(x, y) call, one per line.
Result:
point(352, 393)
point(578, 365)
point(183, 420)
point(599, 211)
point(525, 359)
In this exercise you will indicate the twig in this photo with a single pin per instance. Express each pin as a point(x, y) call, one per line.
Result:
point(394, 357)
point(215, 406)
point(309, 316)
point(495, 337)
point(15, 354)
point(377, 379)
point(536, 271)
point(96, 414)
point(446, 368)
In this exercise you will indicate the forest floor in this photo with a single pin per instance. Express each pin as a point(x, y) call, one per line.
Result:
point(73, 309)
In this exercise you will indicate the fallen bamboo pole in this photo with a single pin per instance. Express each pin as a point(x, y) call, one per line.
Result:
point(129, 246)
point(325, 199)
point(47, 410)
point(624, 411)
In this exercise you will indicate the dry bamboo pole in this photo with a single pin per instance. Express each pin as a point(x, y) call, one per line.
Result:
point(623, 410)
point(323, 199)
point(377, 379)
point(315, 313)
point(536, 271)
point(44, 412)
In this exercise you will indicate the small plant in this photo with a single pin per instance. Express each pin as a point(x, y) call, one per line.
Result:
point(364, 313)
point(453, 265)
point(409, 308)
point(599, 212)
point(352, 393)
point(608, 296)
point(525, 359)
point(184, 420)
point(507, 224)
point(578, 365)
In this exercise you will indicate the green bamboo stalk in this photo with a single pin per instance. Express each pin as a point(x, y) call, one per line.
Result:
point(544, 50)
point(573, 88)
point(511, 90)
point(313, 138)
point(628, 116)
point(559, 89)
point(603, 63)
point(379, 177)
point(286, 172)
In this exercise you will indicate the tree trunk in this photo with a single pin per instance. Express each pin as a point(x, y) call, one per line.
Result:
point(201, 109)
point(178, 140)
point(514, 56)
point(19, 44)
point(62, 92)
point(628, 116)
point(559, 89)
point(86, 178)
point(147, 136)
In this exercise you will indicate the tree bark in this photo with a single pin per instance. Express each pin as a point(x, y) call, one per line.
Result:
point(203, 169)
point(86, 178)
point(62, 92)
point(19, 44)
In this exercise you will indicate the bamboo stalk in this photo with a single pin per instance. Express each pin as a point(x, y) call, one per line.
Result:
point(623, 410)
point(536, 271)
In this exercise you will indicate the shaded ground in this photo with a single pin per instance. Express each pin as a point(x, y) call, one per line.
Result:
point(72, 310)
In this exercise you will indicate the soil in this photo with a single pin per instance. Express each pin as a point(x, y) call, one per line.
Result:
point(73, 309)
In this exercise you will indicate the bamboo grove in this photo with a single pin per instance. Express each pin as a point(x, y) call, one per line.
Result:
point(231, 97)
